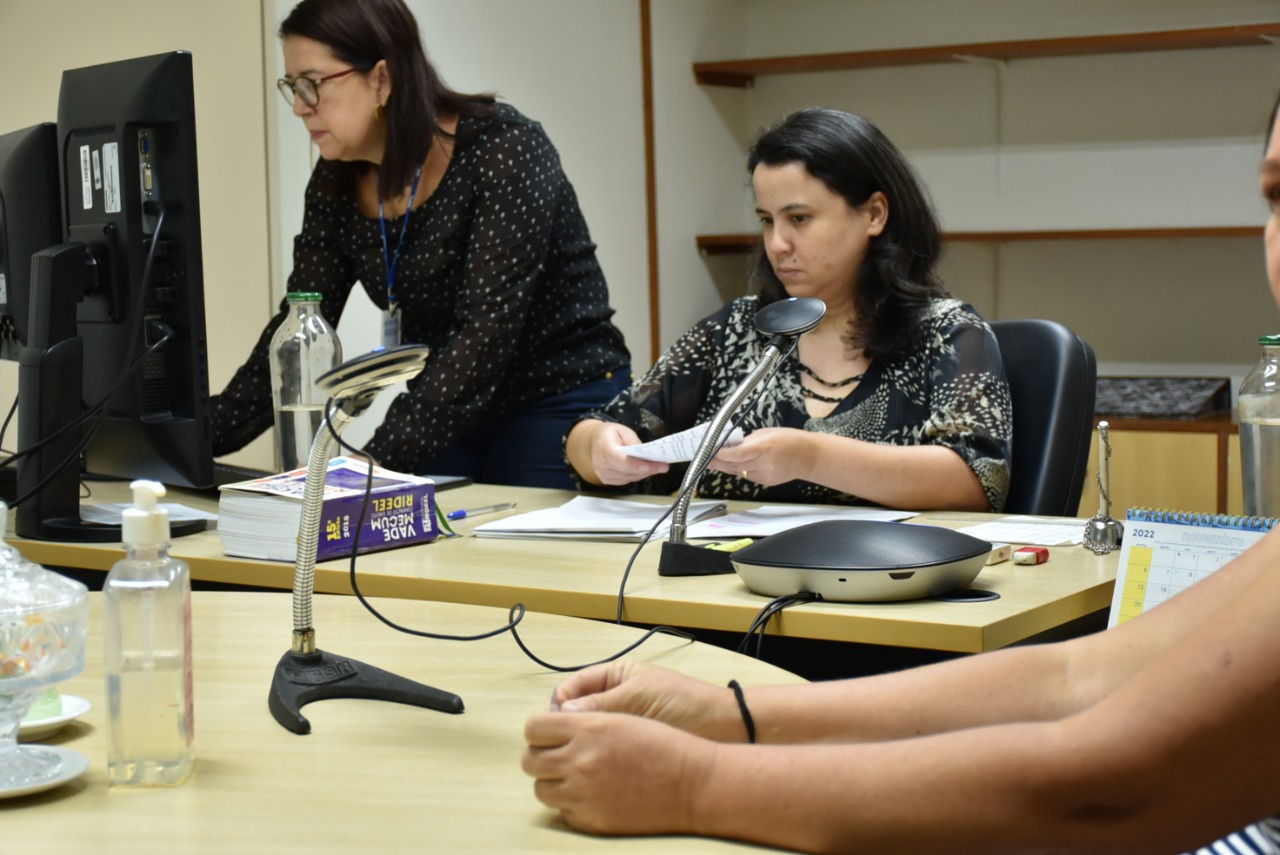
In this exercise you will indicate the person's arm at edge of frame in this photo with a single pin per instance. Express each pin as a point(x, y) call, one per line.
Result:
point(1050, 682)
point(1168, 759)
point(1024, 683)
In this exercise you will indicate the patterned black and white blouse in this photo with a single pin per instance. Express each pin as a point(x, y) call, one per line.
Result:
point(951, 392)
point(497, 275)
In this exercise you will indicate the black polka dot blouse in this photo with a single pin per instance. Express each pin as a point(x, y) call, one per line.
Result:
point(497, 275)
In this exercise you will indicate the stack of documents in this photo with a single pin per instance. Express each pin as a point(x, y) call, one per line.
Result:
point(772, 519)
point(1042, 531)
point(590, 518)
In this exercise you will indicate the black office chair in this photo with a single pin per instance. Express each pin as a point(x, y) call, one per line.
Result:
point(1052, 382)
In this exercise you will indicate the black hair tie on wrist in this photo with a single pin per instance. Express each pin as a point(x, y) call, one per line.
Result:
point(746, 713)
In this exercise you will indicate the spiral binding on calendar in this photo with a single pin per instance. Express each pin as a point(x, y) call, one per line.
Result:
point(1239, 522)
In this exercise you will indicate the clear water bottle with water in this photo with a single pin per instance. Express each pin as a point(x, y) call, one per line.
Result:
point(1259, 417)
point(304, 347)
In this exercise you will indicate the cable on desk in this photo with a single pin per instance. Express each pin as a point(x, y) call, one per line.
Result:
point(518, 611)
point(514, 615)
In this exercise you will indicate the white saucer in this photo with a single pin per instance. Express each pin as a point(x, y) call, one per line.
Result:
point(40, 728)
point(74, 764)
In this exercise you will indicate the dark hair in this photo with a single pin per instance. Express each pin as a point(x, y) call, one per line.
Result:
point(362, 32)
point(854, 158)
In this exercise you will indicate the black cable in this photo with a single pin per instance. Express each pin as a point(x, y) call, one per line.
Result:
point(766, 614)
point(7, 419)
point(514, 615)
point(96, 412)
point(518, 611)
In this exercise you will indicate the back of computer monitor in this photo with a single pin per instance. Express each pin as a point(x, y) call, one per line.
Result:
point(30, 220)
point(127, 141)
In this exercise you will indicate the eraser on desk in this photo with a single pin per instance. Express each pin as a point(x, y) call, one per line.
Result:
point(1031, 555)
point(1000, 553)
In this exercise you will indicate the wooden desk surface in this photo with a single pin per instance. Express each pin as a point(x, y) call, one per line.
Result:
point(371, 776)
point(582, 579)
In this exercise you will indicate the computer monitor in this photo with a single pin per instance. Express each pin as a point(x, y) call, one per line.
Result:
point(116, 370)
point(30, 220)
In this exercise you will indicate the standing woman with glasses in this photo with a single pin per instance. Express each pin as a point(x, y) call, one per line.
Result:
point(453, 212)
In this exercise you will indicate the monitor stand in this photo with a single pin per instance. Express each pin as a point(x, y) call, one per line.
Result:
point(50, 426)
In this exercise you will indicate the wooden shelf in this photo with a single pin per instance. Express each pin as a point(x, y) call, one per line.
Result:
point(727, 244)
point(740, 73)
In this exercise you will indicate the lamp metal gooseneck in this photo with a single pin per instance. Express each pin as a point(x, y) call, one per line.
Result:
point(305, 673)
point(782, 321)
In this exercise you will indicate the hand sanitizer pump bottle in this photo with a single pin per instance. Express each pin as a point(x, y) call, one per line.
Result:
point(147, 640)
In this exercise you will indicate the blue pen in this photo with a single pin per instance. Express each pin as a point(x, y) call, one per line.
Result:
point(488, 509)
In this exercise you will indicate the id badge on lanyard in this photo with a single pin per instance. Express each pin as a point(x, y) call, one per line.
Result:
point(391, 317)
point(391, 326)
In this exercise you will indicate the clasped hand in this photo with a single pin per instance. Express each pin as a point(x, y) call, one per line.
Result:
point(627, 746)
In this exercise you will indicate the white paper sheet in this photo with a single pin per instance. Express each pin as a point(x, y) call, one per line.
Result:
point(1037, 531)
point(678, 447)
point(771, 519)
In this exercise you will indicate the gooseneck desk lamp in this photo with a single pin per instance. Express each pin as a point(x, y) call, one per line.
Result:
point(782, 321)
point(305, 673)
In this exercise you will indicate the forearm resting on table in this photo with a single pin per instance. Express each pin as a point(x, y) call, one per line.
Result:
point(1009, 788)
point(1165, 741)
point(1028, 683)
point(1012, 685)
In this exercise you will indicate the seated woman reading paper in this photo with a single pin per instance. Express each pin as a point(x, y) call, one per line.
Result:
point(898, 398)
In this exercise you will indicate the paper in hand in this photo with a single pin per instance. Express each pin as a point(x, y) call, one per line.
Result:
point(678, 447)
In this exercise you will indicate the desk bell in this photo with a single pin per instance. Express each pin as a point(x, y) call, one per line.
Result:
point(1103, 533)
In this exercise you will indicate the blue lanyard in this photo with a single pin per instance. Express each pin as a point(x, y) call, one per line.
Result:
point(393, 259)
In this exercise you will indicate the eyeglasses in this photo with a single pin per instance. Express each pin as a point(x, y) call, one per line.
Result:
point(307, 88)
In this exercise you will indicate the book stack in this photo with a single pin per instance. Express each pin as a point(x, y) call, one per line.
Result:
point(260, 518)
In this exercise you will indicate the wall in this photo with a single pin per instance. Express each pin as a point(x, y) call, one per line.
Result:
point(39, 39)
point(1092, 142)
point(700, 149)
point(586, 92)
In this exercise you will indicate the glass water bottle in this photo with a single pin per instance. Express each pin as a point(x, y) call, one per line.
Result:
point(304, 347)
point(1259, 419)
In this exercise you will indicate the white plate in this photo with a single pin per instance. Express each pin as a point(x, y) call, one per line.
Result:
point(40, 728)
point(74, 765)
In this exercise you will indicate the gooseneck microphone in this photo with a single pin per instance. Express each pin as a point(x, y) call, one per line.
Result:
point(782, 321)
point(305, 673)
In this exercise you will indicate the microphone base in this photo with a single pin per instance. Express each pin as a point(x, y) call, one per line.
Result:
point(301, 678)
point(685, 559)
